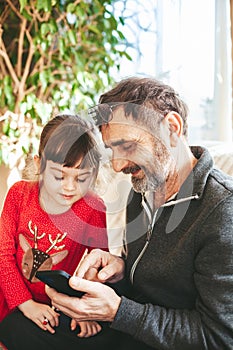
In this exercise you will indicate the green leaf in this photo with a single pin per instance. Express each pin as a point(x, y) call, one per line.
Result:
point(23, 3)
point(71, 8)
point(44, 77)
point(44, 111)
point(121, 19)
point(45, 5)
point(44, 29)
point(25, 149)
point(70, 67)
point(6, 128)
point(61, 45)
point(72, 36)
point(23, 107)
point(8, 92)
point(121, 35)
point(53, 26)
point(127, 56)
point(93, 29)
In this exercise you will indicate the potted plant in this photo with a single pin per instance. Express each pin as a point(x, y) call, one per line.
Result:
point(55, 55)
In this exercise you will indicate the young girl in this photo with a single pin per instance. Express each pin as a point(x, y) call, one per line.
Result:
point(49, 223)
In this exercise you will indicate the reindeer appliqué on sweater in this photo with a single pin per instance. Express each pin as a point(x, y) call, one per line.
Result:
point(35, 259)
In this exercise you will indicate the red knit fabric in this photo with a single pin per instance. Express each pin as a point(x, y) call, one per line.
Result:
point(84, 223)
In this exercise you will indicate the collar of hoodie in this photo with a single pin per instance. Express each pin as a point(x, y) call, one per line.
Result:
point(146, 203)
point(192, 189)
point(152, 217)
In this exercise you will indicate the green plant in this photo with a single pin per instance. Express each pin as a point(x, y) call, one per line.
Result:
point(55, 55)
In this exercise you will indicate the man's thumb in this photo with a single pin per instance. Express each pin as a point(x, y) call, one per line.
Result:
point(81, 284)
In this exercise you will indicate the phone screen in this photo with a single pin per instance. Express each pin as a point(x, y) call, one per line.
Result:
point(59, 280)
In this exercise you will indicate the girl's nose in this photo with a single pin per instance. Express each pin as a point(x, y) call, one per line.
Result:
point(69, 184)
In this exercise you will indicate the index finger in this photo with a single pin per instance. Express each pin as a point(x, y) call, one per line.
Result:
point(59, 300)
point(51, 292)
point(90, 265)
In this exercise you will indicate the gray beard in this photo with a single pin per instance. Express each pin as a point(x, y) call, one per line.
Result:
point(139, 185)
point(148, 183)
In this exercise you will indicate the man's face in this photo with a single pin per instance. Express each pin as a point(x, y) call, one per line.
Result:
point(138, 152)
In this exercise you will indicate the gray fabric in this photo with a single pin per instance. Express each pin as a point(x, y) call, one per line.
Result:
point(182, 294)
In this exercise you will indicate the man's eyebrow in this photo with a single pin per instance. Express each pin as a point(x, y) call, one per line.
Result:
point(57, 169)
point(118, 142)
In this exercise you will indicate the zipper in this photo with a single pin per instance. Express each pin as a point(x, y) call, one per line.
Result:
point(152, 219)
point(133, 268)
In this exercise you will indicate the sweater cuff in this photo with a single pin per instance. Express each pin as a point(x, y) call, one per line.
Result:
point(129, 316)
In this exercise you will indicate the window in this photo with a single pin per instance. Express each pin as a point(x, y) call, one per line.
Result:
point(187, 44)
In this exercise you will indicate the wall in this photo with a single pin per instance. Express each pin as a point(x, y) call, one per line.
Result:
point(4, 172)
point(7, 178)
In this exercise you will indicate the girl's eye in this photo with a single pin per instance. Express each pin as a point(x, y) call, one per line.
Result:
point(82, 180)
point(58, 178)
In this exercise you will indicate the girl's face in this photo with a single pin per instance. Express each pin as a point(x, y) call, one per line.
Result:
point(61, 186)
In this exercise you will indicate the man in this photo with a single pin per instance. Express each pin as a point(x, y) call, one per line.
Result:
point(177, 268)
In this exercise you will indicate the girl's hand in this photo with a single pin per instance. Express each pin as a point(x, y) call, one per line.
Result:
point(41, 314)
point(87, 328)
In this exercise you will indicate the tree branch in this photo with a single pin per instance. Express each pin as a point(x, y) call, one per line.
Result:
point(20, 47)
point(2, 68)
point(26, 68)
point(36, 68)
point(50, 88)
point(41, 69)
point(64, 14)
point(16, 11)
point(31, 89)
point(4, 55)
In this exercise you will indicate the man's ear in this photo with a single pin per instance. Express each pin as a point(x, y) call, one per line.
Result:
point(175, 123)
point(36, 160)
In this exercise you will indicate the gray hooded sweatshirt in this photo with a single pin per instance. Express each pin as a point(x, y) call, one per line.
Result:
point(179, 265)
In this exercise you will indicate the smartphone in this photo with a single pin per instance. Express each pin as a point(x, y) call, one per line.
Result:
point(59, 280)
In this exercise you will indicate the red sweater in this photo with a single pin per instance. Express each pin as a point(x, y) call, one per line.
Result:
point(22, 216)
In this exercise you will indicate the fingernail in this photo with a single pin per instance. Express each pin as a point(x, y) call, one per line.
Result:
point(74, 280)
point(103, 275)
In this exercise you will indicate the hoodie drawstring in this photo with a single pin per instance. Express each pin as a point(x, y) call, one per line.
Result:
point(151, 224)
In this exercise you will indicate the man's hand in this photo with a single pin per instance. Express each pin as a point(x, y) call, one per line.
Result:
point(102, 267)
point(99, 303)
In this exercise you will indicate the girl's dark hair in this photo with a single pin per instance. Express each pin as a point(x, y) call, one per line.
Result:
point(147, 92)
point(66, 139)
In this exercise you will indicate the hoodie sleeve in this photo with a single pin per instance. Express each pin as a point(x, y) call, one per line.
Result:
point(209, 325)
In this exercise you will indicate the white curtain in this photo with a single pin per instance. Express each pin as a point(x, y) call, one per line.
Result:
point(187, 43)
point(222, 106)
point(196, 59)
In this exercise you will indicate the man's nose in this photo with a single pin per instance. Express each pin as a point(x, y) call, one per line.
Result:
point(119, 164)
